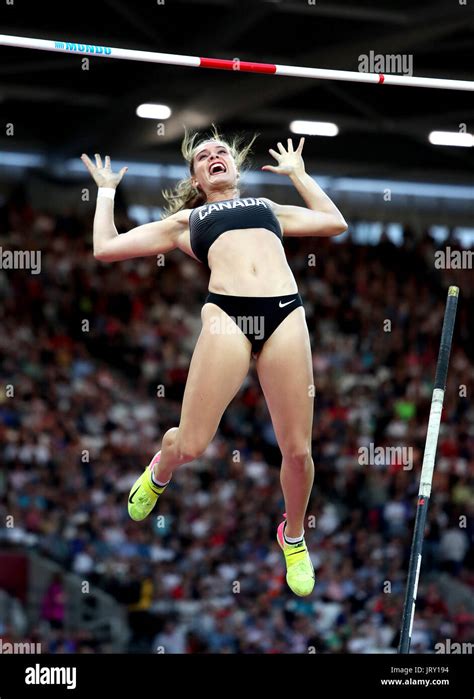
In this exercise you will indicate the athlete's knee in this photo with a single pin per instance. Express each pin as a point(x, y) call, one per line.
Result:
point(190, 448)
point(297, 455)
point(170, 435)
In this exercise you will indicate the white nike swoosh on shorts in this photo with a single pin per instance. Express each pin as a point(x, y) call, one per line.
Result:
point(286, 304)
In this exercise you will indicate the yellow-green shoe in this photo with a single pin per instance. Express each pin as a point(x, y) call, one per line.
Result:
point(299, 569)
point(144, 493)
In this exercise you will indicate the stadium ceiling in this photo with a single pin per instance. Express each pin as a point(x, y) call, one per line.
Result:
point(58, 107)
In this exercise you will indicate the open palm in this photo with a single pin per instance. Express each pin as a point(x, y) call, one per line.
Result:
point(103, 175)
point(289, 161)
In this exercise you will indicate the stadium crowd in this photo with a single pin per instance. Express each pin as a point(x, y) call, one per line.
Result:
point(97, 355)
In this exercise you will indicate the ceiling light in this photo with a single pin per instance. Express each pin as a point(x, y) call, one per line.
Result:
point(153, 111)
point(314, 128)
point(451, 138)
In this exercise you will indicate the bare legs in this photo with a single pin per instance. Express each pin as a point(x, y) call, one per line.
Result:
point(285, 372)
point(218, 367)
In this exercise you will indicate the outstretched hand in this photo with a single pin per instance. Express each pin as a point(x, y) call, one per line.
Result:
point(102, 174)
point(289, 161)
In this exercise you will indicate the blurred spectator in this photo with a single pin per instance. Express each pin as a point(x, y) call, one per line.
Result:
point(53, 605)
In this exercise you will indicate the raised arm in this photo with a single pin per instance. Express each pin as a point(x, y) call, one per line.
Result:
point(320, 217)
point(110, 246)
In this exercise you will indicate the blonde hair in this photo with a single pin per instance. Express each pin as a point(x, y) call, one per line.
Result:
point(185, 195)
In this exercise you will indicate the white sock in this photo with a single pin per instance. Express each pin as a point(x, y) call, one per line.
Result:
point(158, 483)
point(291, 539)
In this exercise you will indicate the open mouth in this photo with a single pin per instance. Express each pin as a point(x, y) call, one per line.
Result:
point(217, 168)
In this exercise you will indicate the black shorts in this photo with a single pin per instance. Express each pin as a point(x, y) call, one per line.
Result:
point(256, 316)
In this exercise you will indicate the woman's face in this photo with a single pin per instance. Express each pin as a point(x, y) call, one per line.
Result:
point(214, 167)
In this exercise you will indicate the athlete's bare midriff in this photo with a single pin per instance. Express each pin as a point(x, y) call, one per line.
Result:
point(246, 262)
point(249, 262)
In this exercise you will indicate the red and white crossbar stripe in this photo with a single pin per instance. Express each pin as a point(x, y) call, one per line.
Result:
point(235, 64)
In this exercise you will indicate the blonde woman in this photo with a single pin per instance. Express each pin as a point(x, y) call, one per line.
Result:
point(253, 309)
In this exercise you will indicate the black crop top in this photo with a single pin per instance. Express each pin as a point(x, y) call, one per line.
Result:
point(209, 221)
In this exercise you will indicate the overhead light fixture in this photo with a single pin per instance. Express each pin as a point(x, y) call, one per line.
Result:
point(153, 111)
point(314, 128)
point(451, 138)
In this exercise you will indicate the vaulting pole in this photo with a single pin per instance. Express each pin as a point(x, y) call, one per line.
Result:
point(428, 468)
